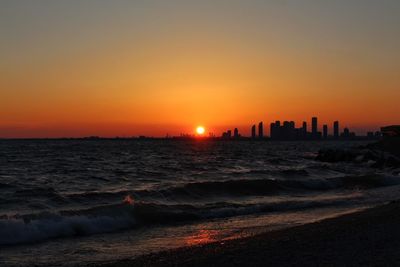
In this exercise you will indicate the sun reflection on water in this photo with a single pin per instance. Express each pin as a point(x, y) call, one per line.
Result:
point(202, 236)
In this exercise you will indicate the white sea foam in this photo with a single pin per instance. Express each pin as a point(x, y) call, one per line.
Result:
point(17, 231)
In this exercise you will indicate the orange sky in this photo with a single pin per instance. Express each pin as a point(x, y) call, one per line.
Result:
point(123, 69)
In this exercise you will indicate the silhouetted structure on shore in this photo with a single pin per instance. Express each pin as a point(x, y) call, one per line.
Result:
point(347, 134)
point(253, 132)
point(314, 127)
point(236, 133)
point(227, 134)
point(304, 132)
point(336, 130)
point(261, 130)
point(325, 131)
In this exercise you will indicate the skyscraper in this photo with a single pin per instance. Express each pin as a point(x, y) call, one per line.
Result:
point(314, 127)
point(253, 131)
point(236, 133)
point(346, 133)
point(277, 132)
point(260, 130)
point(325, 131)
point(336, 130)
point(272, 130)
point(292, 130)
point(304, 133)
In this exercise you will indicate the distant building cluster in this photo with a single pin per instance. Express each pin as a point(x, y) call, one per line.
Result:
point(228, 134)
point(287, 130)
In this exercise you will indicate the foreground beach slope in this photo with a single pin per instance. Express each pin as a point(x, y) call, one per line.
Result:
point(367, 238)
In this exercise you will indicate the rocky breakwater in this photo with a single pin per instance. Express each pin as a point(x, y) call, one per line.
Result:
point(382, 154)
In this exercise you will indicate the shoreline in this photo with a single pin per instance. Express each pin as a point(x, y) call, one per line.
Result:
point(366, 238)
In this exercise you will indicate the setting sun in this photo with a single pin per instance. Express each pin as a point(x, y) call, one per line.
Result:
point(200, 130)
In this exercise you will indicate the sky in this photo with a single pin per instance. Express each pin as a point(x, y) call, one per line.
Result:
point(146, 67)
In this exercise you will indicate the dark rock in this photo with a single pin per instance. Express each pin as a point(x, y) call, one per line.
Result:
point(389, 145)
point(372, 154)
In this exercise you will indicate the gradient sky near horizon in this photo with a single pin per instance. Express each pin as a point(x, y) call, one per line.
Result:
point(147, 67)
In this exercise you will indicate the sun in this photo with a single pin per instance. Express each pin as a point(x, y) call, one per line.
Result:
point(200, 130)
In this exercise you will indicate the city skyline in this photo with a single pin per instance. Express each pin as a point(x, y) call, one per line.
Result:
point(232, 131)
point(276, 131)
point(287, 130)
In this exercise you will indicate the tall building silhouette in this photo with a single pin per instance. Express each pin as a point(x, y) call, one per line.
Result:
point(292, 130)
point(272, 130)
point(346, 133)
point(260, 130)
point(314, 127)
point(336, 130)
point(253, 131)
point(304, 130)
point(236, 133)
point(325, 131)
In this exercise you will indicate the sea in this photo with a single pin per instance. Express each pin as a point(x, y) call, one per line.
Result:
point(82, 202)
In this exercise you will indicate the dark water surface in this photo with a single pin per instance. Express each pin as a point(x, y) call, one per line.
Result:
point(70, 202)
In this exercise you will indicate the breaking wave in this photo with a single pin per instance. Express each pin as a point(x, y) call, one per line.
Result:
point(32, 228)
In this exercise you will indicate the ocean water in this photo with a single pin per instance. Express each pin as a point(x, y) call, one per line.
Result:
point(70, 202)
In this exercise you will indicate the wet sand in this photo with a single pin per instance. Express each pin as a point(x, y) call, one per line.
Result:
point(366, 238)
